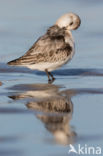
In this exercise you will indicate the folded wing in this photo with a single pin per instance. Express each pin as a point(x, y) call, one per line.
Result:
point(49, 48)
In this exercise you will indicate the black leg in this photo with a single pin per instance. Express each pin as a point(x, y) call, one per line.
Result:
point(52, 76)
point(49, 74)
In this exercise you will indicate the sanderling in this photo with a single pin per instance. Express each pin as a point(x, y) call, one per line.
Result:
point(54, 49)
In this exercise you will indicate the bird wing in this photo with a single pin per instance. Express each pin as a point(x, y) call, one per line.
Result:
point(47, 48)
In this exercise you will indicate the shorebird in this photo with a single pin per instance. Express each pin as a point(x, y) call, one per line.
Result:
point(52, 50)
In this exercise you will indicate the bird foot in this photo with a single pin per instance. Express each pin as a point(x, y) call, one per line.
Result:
point(50, 81)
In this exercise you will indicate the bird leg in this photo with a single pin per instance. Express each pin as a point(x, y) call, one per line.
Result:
point(49, 74)
point(52, 76)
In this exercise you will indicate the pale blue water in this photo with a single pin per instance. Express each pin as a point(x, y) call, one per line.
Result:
point(40, 131)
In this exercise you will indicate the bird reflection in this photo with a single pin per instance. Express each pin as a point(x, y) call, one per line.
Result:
point(54, 107)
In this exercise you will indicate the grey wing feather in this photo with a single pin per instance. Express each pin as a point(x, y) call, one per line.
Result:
point(49, 48)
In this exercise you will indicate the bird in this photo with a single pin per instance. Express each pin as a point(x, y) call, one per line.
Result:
point(52, 50)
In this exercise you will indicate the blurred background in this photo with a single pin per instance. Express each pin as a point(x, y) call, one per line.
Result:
point(41, 119)
point(23, 21)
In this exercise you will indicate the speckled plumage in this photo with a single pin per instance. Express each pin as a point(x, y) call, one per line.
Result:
point(54, 49)
point(49, 48)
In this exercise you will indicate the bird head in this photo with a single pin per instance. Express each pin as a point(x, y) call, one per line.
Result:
point(70, 21)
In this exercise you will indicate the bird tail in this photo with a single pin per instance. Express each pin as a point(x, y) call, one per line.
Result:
point(13, 62)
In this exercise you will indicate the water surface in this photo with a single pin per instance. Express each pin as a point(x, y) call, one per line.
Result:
point(38, 118)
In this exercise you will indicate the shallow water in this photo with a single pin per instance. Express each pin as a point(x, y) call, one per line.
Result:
point(37, 118)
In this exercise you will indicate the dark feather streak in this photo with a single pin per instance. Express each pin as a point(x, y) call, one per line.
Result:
point(49, 48)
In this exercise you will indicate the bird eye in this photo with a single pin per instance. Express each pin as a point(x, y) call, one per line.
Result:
point(71, 23)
